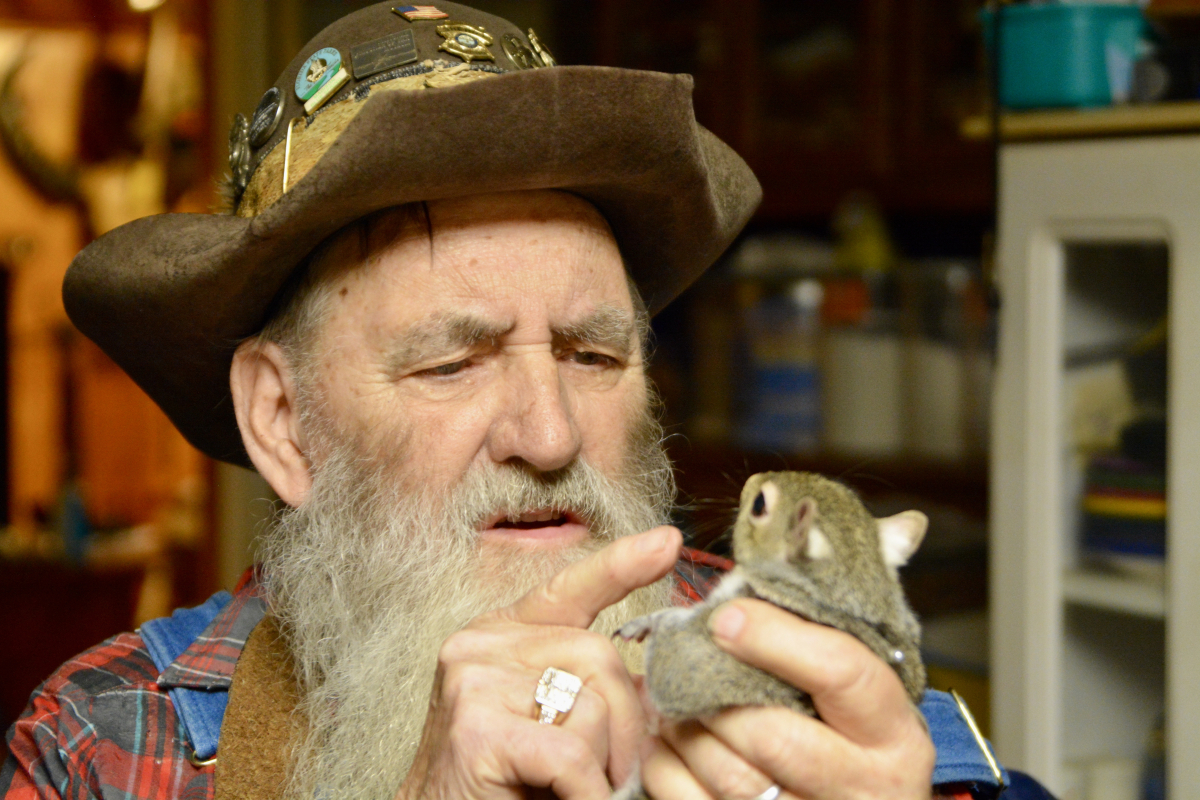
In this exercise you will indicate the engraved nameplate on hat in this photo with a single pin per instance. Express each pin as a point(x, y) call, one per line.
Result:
point(383, 54)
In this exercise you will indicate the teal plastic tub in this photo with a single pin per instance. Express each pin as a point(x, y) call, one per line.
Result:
point(1064, 54)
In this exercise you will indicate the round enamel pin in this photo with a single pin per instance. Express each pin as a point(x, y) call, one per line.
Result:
point(317, 71)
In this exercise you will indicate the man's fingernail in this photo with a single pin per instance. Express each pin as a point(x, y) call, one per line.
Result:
point(653, 540)
point(727, 623)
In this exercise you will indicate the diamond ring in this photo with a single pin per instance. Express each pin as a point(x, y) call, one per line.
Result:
point(556, 692)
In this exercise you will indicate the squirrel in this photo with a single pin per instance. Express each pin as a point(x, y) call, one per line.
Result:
point(806, 544)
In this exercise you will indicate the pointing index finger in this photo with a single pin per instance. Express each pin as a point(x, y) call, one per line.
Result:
point(576, 595)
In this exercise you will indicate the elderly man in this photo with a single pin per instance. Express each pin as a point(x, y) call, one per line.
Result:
point(425, 326)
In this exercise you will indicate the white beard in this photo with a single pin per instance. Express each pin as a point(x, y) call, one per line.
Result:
point(368, 579)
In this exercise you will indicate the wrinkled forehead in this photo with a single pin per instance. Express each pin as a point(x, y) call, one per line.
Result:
point(516, 261)
point(462, 224)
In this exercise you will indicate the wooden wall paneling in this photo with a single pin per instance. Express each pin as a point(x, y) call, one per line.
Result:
point(728, 58)
point(904, 148)
point(51, 12)
point(913, 79)
point(74, 413)
point(95, 15)
point(41, 238)
point(939, 81)
point(883, 128)
point(820, 133)
point(132, 462)
point(877, 104)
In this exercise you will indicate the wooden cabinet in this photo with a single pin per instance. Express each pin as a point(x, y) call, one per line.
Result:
point(821, 97)
point(52, 612)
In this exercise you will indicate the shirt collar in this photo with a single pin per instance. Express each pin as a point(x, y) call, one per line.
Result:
point(208, 662)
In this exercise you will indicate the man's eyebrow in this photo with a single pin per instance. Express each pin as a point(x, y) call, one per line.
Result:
point(441, 334)
point(607, 326)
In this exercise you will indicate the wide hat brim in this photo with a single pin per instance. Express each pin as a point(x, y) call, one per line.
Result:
point(170, 297)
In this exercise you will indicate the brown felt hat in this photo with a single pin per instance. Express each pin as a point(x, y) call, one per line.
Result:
point(417, 109)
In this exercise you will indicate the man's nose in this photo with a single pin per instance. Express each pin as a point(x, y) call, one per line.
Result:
point(537, 421)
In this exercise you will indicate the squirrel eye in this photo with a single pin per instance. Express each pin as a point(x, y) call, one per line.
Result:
point(760, 506)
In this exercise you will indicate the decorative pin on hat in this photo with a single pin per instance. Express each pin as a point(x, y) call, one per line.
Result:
point(266, 117)
point(414, 13)
point(522, 56)
point(239, 152)
point(542, 51)
point(518, 53)
point(468, 42)
point(380, 55)
point(319, 77)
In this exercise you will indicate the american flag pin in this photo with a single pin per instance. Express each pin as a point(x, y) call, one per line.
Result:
point(414, 13)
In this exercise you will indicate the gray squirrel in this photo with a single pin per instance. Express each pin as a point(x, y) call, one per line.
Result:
point(808, 545)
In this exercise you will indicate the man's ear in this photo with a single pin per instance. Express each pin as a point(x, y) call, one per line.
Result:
point(264, 401)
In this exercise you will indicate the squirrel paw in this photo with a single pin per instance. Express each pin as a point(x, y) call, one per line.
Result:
point(636, 630)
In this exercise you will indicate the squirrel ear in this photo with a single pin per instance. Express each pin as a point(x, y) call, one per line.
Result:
point(809, 540)
point(806, 514)
point(900, 535)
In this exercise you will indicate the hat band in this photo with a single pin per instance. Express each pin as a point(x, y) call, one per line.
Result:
point(310, 137)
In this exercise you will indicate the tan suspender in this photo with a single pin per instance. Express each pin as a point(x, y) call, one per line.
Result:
point(252, 759)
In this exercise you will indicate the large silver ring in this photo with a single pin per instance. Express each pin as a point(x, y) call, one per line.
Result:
point(556, 693)
point(773, 791)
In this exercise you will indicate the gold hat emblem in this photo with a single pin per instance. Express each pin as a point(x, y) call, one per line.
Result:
point(468, 42)
point(522, 56)
point(518, 53)
point(543, 52)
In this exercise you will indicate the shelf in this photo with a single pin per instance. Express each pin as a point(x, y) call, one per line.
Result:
point(1062, 123)
point(1138, 596)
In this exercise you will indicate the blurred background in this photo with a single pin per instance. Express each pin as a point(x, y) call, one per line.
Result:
point(851, 330)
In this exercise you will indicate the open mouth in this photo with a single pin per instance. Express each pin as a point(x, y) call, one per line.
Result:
point(529, 525)
point(534, 520)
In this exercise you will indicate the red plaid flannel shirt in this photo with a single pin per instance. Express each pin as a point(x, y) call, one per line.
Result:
point(103, 726)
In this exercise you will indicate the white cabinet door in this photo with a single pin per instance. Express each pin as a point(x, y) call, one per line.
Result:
point(1081, 659)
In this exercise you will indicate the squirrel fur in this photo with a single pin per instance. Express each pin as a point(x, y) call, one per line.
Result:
point(806, 544)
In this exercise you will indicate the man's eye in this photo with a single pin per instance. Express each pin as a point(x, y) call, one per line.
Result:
point(589, 359)
point(445, 369)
